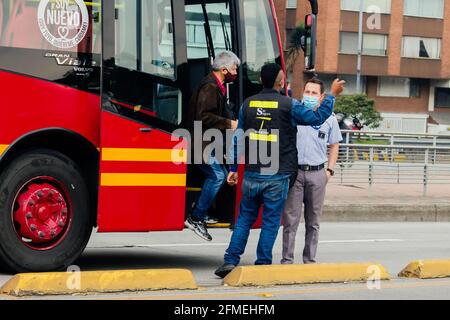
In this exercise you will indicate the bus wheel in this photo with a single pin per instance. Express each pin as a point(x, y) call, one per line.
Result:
point(44, 213)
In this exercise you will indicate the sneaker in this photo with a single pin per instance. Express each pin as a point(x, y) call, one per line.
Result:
point(211, 220)
point(225, 269)
point(199, 227)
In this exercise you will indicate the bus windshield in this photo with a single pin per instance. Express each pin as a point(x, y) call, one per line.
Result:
point(261, 44)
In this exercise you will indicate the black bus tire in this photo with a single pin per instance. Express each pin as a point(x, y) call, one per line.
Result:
point(15, 255)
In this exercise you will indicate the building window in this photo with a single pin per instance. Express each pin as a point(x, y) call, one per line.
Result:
point(289, 34)
point(442, 98)
point(416, 47)
point(398, 87)
point(348, 43)
point(380, 6)
point(291, 4)
point(415, 88)
point(424, 9)
point(373, 44)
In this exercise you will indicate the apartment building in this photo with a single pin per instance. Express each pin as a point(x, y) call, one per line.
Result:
point(405, 58)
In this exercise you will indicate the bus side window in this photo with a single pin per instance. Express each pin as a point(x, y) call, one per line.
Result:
point(167, 100)
point(1, 20)
point(21, 30)
point(157, 38)
point(145, 44)
point(153, 52)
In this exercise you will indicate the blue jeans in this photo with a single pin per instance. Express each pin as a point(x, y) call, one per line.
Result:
point(272, 194)
point(216, 175)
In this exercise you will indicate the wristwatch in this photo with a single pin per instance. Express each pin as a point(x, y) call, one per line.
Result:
point(331, 171)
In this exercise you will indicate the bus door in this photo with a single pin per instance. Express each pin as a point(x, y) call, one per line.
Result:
point(142, 171)
point(210, 29)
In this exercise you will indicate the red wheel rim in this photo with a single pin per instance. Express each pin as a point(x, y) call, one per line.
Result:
point(42, 213)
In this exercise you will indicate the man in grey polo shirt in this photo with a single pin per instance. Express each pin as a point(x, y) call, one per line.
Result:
point(312, 178)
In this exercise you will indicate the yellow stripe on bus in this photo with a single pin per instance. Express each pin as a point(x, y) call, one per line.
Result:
point(191, 189)
point(144, 155)
point(142, 180)
point(3, 148)
point(263, 137)
point(264, 104)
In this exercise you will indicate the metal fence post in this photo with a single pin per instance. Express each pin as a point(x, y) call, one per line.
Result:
point(425, 172)
point(347, 141)
point(371, 168)
point(434, 153)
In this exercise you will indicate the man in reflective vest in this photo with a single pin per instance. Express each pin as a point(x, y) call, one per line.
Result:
point(266, 138)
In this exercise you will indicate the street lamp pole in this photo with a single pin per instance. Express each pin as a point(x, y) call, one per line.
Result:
point(360, 47)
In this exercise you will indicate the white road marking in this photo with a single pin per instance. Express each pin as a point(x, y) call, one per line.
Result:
point(223, 244)
point(160, 245)
point(361, 241)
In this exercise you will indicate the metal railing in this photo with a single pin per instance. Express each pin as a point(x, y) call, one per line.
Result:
point(393, 163)
point(396, 138)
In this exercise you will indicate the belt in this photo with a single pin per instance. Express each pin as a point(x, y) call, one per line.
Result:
point(305, 167)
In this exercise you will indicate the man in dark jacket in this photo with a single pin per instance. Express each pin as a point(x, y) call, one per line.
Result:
point(208, 107)
point(267, 126)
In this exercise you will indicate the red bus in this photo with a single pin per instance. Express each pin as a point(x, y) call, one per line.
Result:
point(90, 92)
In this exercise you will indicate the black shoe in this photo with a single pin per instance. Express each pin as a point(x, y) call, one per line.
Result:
point(225, 269)
point(199, 227)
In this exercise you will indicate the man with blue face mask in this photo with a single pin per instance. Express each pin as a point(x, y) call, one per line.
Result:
point(312, 177)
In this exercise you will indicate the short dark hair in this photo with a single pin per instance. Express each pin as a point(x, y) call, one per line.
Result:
point(316, 81)
point(269, 74)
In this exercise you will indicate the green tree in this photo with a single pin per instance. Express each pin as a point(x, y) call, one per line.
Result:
point(295, 47)
point(360, 106)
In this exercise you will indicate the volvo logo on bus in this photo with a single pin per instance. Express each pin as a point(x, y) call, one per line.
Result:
point(63, 23)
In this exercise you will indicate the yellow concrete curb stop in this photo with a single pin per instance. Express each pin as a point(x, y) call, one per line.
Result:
point(305, 274)
point(85, 282)
point(426, 269)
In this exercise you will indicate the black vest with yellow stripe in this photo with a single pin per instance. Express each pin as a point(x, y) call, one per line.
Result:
point(270, 140)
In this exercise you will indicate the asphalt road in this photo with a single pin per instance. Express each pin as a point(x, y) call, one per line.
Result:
point(392, 244)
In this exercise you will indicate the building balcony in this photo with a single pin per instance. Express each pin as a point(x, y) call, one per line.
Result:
point(421, 68)
point(371, 65)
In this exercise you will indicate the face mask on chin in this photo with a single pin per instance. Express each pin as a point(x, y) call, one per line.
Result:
point(310, 102)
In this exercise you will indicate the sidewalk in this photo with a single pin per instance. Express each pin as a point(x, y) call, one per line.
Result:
point(387, 203)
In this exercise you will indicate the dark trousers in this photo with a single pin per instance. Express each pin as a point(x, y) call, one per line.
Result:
point(272, 194)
